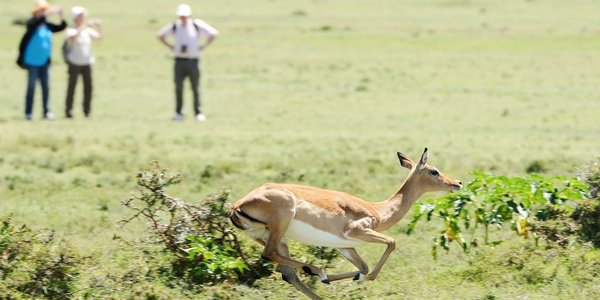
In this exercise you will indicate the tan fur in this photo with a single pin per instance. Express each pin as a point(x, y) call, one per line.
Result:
point(345, 216)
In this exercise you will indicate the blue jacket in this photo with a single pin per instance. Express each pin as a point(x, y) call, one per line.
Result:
point(36, 45)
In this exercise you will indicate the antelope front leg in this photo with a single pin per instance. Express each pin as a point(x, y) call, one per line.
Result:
point(351, 255)
point(372, 236)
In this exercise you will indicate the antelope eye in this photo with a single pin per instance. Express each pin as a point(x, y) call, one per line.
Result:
point(434, 172)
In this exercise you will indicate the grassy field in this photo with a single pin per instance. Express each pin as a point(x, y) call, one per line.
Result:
point(315, 92)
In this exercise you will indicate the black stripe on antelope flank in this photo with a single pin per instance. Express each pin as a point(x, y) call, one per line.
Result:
point(235, 219)
point(245, 215)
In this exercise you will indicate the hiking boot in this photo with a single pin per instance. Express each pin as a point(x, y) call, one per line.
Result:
point(178, 117)
point(49, 116)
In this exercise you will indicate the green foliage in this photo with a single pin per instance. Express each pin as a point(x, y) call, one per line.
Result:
point(557, 226)
point(493, 201)
point(515, 263)
point(587, 215)
point(214, 261)
point(198, 236)
point(34, 264)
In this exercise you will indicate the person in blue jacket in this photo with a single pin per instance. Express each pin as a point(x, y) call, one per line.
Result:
point(35, 51)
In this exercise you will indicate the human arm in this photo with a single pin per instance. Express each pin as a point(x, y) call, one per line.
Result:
point(210, 32)
point(163, 40)
point(96, 31)
point(209, 41)
point(56, 27)
point(163, 34)
point(95, 34)
point(35, 22)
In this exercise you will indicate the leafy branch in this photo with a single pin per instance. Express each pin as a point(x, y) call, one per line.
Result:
point(493, 201)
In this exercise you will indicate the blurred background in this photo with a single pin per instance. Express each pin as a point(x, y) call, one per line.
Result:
point(319, 92)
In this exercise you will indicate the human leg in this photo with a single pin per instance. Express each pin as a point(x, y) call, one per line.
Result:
point(194, 70)
point(45, 81)
point(72, 83)
point(32, 75)
point(179, 76)
point(86, 72)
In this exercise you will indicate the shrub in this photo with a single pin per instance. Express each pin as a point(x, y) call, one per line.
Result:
point(204, 248)
point(587, 215)
point(557, 226)
point(536, 166)
point(34, 264)
point(514, 263)
point(492, 201)
point(590, 175)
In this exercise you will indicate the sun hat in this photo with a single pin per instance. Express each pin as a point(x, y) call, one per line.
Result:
point(76, 11)
point(40, 5)
point(184, 10)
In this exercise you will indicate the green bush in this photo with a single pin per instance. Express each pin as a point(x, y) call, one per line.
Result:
point(213, 260)
point(34, 264)
point(493, 201)
point(557, 226)
point(198, 237)
point(587, 215)
point(515, 263)
point(536, 166)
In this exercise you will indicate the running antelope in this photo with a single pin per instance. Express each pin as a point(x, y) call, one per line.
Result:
point(314, 216)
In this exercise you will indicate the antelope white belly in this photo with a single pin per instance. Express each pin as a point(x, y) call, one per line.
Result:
point(305, 233)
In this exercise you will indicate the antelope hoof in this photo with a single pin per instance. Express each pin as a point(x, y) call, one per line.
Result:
point(325, 279)
point(359, 277)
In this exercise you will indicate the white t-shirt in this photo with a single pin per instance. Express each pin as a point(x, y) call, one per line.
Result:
point(80, 52)
point(187, 37)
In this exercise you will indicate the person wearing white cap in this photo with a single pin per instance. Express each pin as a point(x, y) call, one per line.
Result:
point(77, 52)
point(35, 52)
point(188, 34)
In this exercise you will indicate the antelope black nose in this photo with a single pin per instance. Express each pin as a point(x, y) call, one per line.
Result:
point(460, 182)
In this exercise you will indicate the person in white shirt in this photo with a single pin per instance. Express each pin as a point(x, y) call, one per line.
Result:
point(79, 57)
point(187, 47)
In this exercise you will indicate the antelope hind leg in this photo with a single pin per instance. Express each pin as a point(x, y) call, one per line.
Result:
point(288, 274)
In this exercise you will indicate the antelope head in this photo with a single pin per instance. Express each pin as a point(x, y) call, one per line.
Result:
point(427, 177)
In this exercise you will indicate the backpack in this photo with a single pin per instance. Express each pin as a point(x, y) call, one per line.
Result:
point(174, 27)
point(65, 50)
point(22, 46)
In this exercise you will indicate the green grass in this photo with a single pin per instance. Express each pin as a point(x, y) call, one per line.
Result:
point(321, 93)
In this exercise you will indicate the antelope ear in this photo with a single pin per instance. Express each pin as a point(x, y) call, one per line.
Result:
point(423, 160)
point(405, 161)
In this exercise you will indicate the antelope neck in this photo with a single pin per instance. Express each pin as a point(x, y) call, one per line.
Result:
point(393, 209)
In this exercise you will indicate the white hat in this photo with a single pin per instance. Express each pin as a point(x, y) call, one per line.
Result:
point(184, 10)
point(76, 11)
